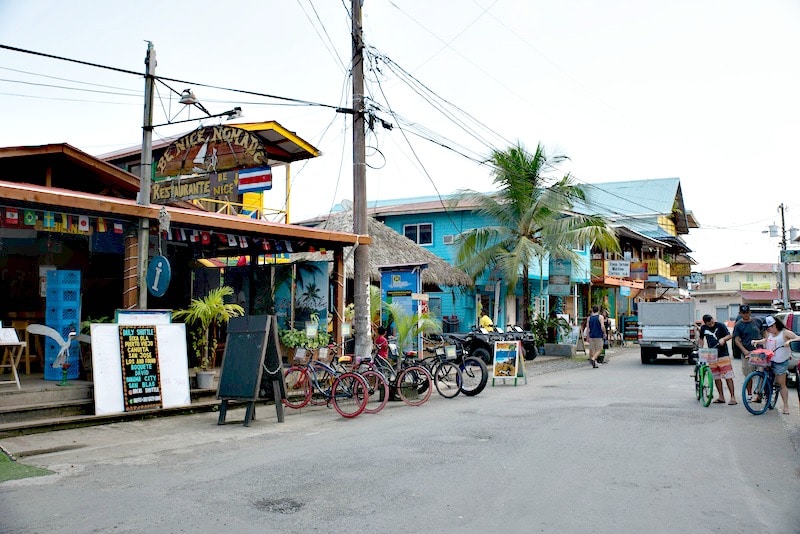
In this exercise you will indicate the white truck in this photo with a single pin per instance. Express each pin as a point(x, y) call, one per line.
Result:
point(667, 328)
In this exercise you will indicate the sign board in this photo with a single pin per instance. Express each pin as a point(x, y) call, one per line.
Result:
point(618, 268)
point(755, 286)
point(558, 280)
point(213, 148)
point(507, 361)
point(252, 364)
point(143, 317)
point(790, 256)
point(141, 381)
point(171, 359)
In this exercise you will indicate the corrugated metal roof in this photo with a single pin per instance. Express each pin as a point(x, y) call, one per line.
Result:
point(631, 198)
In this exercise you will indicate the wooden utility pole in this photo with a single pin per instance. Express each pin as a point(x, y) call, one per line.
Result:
point(145, 173)
point(361, 319)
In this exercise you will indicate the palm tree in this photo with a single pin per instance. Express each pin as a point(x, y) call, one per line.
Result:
point(532, 212)
point(407, 326)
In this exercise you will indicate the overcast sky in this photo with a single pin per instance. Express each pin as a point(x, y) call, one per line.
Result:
point(706, 91)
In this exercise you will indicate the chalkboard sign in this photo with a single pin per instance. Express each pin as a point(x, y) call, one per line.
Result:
point(251, 364)
point(141, 381)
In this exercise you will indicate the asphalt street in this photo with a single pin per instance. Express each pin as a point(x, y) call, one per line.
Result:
point(622, 448)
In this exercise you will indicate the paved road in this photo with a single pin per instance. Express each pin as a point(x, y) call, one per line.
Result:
point(623, 448)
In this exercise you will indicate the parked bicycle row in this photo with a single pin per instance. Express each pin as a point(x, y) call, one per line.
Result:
point(354, 386)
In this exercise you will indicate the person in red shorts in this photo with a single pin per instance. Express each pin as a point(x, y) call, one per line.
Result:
point(716, 335)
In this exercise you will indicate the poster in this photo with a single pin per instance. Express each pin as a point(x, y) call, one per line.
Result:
point(506, 359)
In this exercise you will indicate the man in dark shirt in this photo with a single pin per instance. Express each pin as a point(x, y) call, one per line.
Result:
point(716, 335)
point(745, 332)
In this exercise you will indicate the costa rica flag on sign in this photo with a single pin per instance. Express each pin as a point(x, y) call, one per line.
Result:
point(255, 179)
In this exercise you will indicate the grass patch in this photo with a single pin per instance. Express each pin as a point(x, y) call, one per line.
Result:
point(13, 470)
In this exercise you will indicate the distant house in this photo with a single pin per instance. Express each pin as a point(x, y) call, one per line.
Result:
point(721, 291)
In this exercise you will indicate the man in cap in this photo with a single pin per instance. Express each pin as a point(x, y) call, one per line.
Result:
point(745, 332)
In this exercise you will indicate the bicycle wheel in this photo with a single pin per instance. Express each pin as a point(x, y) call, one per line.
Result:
point(414, 385)
point(759, 387)
point(321, 386)
point(474, 376)
point(298, 387)
point(349, 394)
point(706, 385)
point(377, 389)
point(447, 379)
point(697, 389)
point(776, 391)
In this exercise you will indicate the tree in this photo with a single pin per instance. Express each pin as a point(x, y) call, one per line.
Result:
point(533, 216)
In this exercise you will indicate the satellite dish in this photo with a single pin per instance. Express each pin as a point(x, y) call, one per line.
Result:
point(347, 204)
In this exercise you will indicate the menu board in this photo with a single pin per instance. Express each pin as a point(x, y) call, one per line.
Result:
point(141, 381)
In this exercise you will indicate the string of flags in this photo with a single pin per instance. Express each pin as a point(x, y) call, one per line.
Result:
point(262, 245)
point(58, 222)
point(84, 224)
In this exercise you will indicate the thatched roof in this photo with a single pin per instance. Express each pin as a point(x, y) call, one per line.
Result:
point(391, 248)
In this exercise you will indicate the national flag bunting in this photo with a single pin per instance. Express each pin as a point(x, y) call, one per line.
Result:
point(29, 218)
point(231, 240)
point(65, 222)
point(101, 224)
point(205, 238)
point(255, 179)
point(49, 220)
point(12, 216)
point(118, 228)
point(83, 223)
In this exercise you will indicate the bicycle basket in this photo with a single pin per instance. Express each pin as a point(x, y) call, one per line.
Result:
point(300, 355)
point(761, 358)
point(707, 355)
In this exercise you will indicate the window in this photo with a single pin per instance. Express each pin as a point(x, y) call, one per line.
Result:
point(727, 278)
point(748, 277)
point(421, 234)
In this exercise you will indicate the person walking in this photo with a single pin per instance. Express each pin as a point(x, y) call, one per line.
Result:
point(777, 339)
point(716, 335)
point(745, 331)
point(593, 334)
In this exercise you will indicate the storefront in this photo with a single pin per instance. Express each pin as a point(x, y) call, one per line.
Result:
point(62, 209)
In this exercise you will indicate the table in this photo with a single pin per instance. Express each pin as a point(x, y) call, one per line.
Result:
point(12, 352)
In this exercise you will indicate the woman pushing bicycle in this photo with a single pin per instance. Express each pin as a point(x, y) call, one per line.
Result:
point(777, 340)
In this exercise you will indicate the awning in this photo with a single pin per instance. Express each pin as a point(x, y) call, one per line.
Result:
point(768, 296)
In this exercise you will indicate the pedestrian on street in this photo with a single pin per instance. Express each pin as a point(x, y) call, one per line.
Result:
point(381, 343)
point(486, 322)
point(777, 340)
point(593, 334)
point(745, 331)
point(716, 335)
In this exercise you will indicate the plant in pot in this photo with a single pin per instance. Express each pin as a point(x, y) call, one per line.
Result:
point(206, 314)
point(408, 326)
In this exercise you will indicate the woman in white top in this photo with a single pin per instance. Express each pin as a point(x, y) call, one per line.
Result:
point(777, 340)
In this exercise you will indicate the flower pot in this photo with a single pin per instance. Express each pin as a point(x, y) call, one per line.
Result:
point(205, 379)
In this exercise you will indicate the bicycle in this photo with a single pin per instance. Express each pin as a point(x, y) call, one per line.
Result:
point(764, 389)
point(474, 372)
point(320, 384)
point(703, 378)
point(377, 384)
point(447, 376)
point(412, 383)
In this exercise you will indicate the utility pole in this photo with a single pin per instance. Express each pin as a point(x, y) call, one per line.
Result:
point(361, 312)
point(787, 305)
point(146, 171)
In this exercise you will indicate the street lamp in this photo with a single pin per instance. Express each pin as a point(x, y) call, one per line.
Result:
point(146, 173)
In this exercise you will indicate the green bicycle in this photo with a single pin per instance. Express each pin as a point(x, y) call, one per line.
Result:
point(703, 378)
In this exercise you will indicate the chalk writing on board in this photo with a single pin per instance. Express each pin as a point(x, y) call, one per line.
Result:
point(141, 380)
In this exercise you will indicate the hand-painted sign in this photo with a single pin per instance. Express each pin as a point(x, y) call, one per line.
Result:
point(210, 149)
point(141, 381)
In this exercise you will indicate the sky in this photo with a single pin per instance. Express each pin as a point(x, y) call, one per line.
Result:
point(706, 91)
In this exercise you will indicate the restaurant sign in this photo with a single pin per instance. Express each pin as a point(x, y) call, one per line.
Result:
point(214, 185)
point(210, 149)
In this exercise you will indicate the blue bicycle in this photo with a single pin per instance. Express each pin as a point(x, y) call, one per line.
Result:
point(764, 390)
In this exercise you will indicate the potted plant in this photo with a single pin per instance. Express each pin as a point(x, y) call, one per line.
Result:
point(206, 315)
point(409, 326)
